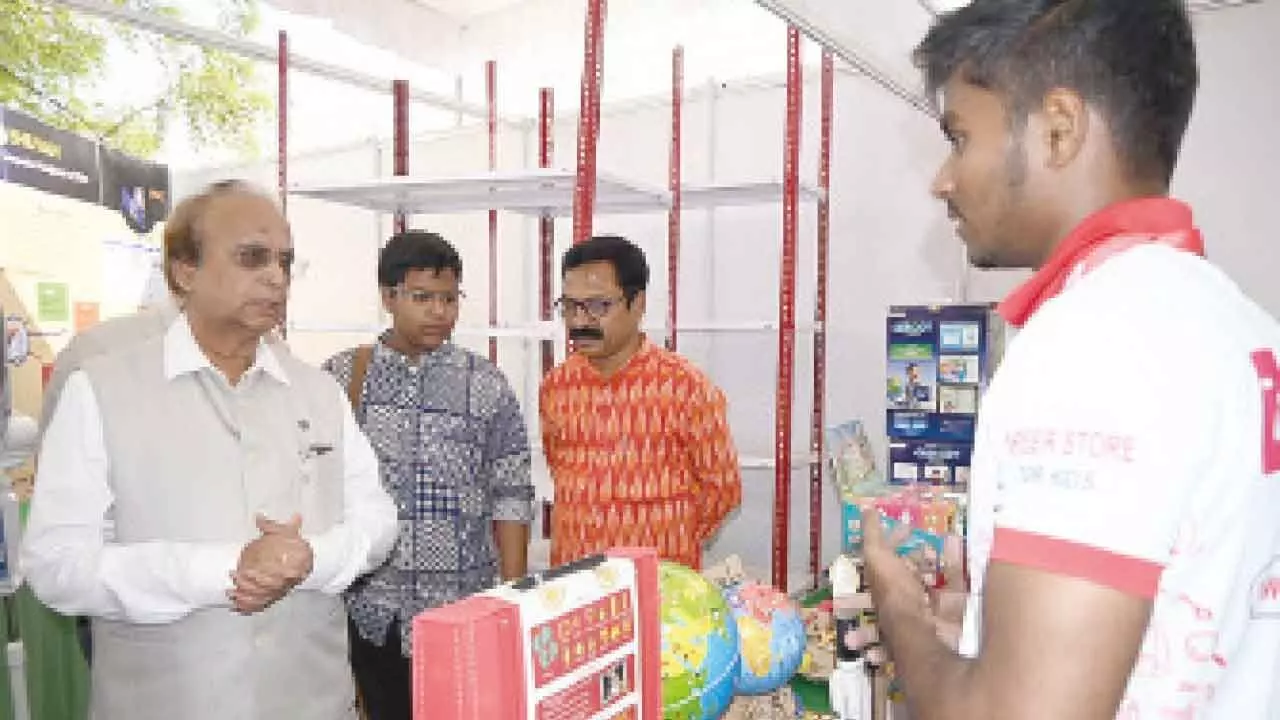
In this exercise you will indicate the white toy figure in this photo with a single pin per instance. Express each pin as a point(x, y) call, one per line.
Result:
point(850, 686)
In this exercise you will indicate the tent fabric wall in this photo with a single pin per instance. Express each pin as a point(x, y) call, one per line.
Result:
point(732, 132)
point(890, 242)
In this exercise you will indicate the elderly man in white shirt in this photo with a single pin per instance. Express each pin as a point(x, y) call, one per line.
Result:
point(242, 498)
point(156, 312)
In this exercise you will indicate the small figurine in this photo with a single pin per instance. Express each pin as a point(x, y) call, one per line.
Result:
point(851, 684)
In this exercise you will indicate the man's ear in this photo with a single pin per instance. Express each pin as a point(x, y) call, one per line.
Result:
point(183, 275)
point(637, 302)
point(1064, 119)
point(388, 294)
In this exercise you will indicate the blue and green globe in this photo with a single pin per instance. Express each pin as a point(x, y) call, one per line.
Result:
point(771, 636)
point(700, 657)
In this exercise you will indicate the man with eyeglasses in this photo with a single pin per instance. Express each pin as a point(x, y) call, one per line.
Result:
point(635, 436)
point(206, 498)
point(156, 312)
point(454, 450)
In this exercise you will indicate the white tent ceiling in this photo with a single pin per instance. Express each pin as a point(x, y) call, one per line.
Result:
point(468, 9)
point(456, 35)
point(875, 36)
point(344, 53)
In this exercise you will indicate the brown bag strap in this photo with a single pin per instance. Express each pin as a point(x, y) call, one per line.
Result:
point(359, 368)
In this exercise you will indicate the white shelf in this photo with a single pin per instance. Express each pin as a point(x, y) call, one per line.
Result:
point(533, 192)
point(746, 193)
point(747, 462)
point(537, 192)
point(730, 327)
point(532, 332)
point(539, 331)
point(555, 331)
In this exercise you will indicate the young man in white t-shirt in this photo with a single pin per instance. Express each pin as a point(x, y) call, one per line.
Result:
point(1124, 537)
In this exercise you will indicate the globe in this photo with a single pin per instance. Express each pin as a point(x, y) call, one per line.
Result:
point(771, 636)
point(699, 646)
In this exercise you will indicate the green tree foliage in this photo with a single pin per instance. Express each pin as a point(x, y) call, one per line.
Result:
point(53, 62)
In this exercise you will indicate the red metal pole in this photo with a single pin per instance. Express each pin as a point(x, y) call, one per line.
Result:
point(282, 117)
point(546, 223)
point(787, 314)
point(673, 218)
point(400, 137)
point(491, 94)
point(282, 137)
point(584, 195)
point(816, 430)
point(546, 247)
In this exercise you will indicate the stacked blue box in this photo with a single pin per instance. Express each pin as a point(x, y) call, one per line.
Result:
point(940, 359)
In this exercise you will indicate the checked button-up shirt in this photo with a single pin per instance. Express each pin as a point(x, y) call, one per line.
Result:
point(454, 454)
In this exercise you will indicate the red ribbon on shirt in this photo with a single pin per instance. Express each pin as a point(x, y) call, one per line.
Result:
point(1100, 237)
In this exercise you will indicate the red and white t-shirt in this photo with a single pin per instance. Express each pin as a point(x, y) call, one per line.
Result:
point(1130, 438)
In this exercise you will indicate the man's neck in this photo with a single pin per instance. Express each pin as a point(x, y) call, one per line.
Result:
point(231, 350)
point(609, 366)
point(408, 349)
point(1097, 198)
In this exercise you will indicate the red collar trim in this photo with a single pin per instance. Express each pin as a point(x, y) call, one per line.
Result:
point(1100, 237)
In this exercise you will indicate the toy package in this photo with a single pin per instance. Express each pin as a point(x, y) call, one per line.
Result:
point(930, 515)
point(930, 518)
point(853, 463)
point(581, 640)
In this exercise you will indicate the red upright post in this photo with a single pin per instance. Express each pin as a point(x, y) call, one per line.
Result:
point(546, 223)
point(787, 314)
point(400, 138)
point(491, 95)
point(282, 118)
point(584, 195)
point(282, 137)
point(816, 430)
point(673, 218)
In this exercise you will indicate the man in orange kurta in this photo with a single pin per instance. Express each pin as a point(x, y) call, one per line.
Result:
point(635, 436)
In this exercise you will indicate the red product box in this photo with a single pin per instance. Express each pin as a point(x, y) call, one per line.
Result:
point(579, 641)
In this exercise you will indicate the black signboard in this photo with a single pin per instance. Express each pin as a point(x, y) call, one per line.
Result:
point(41, 157)
point(138, 189)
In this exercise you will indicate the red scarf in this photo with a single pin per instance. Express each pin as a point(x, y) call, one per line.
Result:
point(1100, 237)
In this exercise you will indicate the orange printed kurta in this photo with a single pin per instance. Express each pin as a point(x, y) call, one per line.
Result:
point(641, 458)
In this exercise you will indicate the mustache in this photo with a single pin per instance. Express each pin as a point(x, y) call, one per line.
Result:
point(586, 333)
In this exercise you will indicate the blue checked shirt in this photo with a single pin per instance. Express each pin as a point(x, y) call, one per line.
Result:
point(454, 454)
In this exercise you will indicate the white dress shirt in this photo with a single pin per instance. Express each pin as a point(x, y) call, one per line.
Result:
point(74, 566)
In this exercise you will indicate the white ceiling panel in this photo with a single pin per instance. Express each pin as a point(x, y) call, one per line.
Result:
point(468, 9)
point(410, 29)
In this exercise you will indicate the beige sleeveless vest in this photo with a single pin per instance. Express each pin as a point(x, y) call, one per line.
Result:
point(192, 459)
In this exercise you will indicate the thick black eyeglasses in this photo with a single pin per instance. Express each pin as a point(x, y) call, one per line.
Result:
point(595, 307)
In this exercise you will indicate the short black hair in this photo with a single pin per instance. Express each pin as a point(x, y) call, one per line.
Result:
point(416, 250)
point(1133, 60)
point(625, 256)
